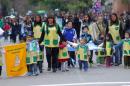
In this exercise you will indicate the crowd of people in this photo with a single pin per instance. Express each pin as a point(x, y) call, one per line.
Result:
point(65, 39)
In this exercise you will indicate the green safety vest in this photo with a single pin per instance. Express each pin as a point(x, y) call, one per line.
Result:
point(33, 46)
point(82, 52)
point(37, 30)
point(114, 31)
point(63, 53)
point(31, 57)
point(126, 47)
point(100, 53)
point(108, 49)
point(40, 56)
point(51, 38)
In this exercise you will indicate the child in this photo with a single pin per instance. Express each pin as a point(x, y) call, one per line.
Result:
point(86, 35)
point(100, 53)
point(83, 54)
point(63, 56)
point(32, 52)
point(89, 38)
point(108, 50)
point(7, 29)
point(100, 56)
point(126, 50)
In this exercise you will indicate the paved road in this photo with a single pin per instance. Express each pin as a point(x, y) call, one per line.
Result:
point(96, 76)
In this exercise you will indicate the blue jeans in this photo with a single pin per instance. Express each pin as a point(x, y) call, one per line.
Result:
point(32, 69)
point(118, 53)
point(83, 65)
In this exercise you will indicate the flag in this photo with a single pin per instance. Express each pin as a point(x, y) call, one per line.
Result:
point(15, 60)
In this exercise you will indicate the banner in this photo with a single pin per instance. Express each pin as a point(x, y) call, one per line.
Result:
point(15, 60)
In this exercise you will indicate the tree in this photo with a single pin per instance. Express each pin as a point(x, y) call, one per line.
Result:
point(71, 5)
point(5, 5)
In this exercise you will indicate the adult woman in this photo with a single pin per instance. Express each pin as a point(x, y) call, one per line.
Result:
point(15, 27)
point(77, 25)
point(49, 37)
point(37, 27)
point(26, 27)
point(116, 31)
point(100, 25)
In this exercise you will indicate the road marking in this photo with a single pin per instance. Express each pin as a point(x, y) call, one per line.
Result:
point(89, 83)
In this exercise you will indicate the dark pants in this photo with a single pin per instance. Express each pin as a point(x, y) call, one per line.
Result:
point(0, 70)
point(91, 57)
point(29, 68)
point(6, 35)
point(83, 65)
point(127, 61)
point(52, 57)
point(13, 38)
point(72, 59)
point(39, 64)
point(108, 61)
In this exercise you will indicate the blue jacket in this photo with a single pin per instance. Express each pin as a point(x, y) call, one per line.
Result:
point(86, 36)
point(69, 34)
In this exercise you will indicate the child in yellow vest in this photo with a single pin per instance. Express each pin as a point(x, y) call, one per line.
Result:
point(100, 52)
point(83, 55)
point(63, 56)
point(82, 52)
point(126, 50)
point(32, 53)
point(125, 43)
point(108, 50)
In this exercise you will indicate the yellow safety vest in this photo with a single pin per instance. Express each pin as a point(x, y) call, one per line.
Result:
point(114, 31)
point(31, 57)
point(100, 53)
point(126, 48)
point(82, 53)
point(108, 49)
point(63, 53)
point(51, 38)
point(40, 56)
point(37, 30)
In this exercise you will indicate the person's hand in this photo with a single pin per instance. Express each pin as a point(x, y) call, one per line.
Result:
point(76, 52)
point(64, 43)
point(74, 40)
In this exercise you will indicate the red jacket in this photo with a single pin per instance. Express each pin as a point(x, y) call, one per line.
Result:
point(6, 27)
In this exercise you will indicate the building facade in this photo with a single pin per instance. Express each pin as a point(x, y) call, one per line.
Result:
point(119, 7)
